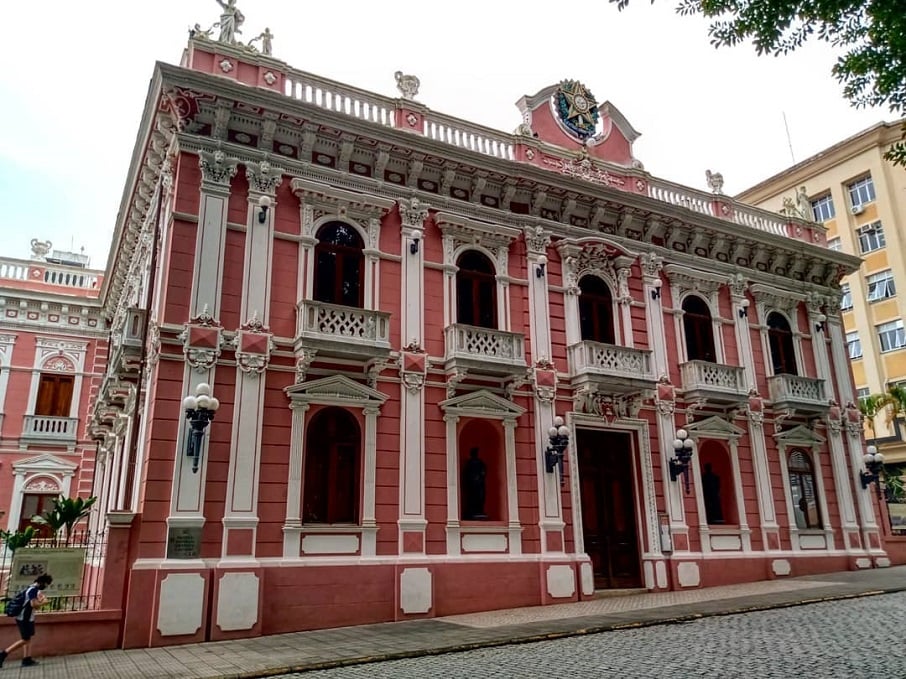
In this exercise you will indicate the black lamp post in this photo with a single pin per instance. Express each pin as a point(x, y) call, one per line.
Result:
point(682, 446)
point(200, 410)
point(555, 453)
point(874, 463)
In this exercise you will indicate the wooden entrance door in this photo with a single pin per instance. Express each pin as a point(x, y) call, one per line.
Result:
point(608, 508)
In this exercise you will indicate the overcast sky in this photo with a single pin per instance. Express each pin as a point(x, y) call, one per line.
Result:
point(72, 97)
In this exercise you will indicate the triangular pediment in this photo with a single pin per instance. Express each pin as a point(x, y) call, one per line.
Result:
point(715, 426)
point(481, 403)
point(336, 389)
point(799, 435)
point(50, 464)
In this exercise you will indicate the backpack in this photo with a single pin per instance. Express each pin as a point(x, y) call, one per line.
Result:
point(15, 605)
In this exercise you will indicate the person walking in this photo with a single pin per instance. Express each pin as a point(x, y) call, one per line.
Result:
point(25, 621)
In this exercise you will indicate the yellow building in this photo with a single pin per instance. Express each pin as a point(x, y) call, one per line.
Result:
point(861, 199)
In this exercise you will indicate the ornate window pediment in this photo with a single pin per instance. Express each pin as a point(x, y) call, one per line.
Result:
point(336, 390)
point(46, 465)
point(322, 203)
point(481, 403)
point(799, 435)
point(459, 231)
point(714, 427)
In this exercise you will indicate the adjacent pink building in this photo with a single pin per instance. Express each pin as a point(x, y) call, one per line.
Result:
point(53, 353)
point(393, 306)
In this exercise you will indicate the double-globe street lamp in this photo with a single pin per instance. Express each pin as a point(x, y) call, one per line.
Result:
point(200, 409)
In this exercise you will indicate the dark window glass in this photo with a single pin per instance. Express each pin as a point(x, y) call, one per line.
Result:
point(596, 310)
point(339, 265)
point(331, 490)
point(698, 330)
point(476, 290)
point(804, 491)
point(780, 337)
point(54, 395)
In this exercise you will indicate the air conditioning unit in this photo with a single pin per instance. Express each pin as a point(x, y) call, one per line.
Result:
point(857, 209)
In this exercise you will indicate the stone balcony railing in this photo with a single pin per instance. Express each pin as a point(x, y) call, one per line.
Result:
point(49, 429)
point(610, 364)
point(798, 393)
point(713, 381)
point(15, 272)
point(484, 349)
point(341, 330)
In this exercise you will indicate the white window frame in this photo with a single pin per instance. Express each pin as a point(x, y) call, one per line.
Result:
point(854, 345)
point(880, 286)
point(846, 297)
point(823, 208)
point(894, 333)
point(871, 237)
point(861, 191)
point(835, 244)
point(862, 392)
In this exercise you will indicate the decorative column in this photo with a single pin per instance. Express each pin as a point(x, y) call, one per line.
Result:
point(369, 496)
point(512, 492)
point(252, 343)
point(201, 338)
point(740, 304)
point(841, 471)
point(551, 508)
point(292, 527)
point(412, 521)
point(770, 530)
point(833, 329)
point(454, 542)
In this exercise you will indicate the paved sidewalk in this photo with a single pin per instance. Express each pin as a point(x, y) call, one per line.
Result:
point(301, 651)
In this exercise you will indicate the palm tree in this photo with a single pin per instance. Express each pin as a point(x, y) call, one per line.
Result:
point(65, 513)
point(870, 406)
point(18, 539)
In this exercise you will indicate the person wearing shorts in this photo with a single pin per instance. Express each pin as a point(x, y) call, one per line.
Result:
point(25, 621)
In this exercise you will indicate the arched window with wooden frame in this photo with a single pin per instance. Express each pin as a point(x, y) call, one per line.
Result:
point(596, 318)
point(804, 490)
point(780, 339)
point(339, 266)
point(698, 329)
point(331, 483)
point(476, 290)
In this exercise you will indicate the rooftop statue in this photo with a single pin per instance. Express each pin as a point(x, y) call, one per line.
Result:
point(407, 84)
point(230, 21)
point(40, 249)
point(715, 181)
point(266, 39)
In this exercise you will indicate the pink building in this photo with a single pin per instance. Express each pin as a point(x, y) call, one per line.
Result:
point(53, 353)
point(393, 306)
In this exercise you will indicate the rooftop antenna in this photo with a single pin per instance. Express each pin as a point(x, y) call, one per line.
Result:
point(789, 141)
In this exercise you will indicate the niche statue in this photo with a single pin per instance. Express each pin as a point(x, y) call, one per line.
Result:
point(474, 475)
point(711, 492)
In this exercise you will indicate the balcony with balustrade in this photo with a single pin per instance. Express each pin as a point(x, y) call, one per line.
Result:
point(48, 430)
point(484, 350)
point(340, 331)
point(714, 382)
point(802, 394)
point(610, 368)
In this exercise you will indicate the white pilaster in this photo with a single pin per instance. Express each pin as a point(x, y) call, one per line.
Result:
point(512, 495)
point(452, 447)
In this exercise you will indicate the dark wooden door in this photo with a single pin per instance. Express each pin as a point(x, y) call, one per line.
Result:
point(608, 508)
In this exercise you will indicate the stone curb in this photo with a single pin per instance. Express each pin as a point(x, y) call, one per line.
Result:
point(548, 636)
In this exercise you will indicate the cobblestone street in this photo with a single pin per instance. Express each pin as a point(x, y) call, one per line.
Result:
point(854, 638)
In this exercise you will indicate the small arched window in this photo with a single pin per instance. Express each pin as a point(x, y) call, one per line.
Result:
point(339, 265)
point(780, 338)
point(331, 490)
point(698, 329)
point(476, 290)
point(596, 310)
point(803, 490)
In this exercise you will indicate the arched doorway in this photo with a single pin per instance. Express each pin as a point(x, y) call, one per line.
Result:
point(331, 484)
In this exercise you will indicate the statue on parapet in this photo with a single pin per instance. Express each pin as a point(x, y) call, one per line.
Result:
point(40, 249)
point(202, 34)
point(407, 84)
point(230, 21)
point(266, 39)
point(715, 181)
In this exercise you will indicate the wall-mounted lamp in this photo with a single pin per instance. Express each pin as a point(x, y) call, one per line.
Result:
point(682, 446)
point(413, 246)
point(656, 289)
point(874, 463)
point(539, 270)
point(822, 320)
point(264, 204)
point(555, 453)
point(744, 308)
point(200, 410)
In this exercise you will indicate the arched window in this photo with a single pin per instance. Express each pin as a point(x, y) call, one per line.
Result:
point(718, 491)
point(476, 290)
point(596, 310)
point(780, 337)
point(698, 330)
point(339, 265)
point(331, 491)
point(804, 491)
